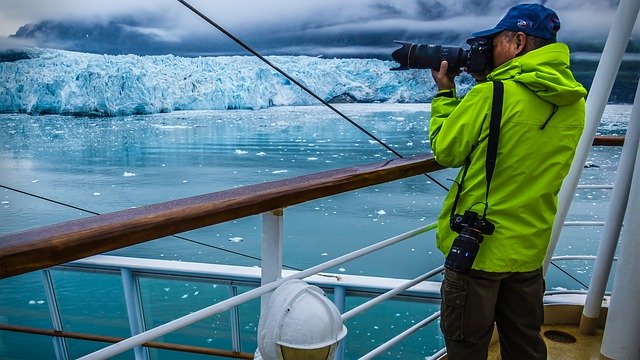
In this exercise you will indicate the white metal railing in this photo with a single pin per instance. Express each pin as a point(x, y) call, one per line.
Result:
point(132, 266)
point(271, 272)
point(225, 305)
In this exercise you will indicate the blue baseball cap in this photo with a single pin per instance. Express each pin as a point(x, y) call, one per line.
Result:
point(531, 19)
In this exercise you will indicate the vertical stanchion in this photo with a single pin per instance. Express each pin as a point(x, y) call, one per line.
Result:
point(622, 329)
point(613, 224)
point(339, 298)
point(234, 319)
point(59, 343)
point(271, 251)
point(134, 310)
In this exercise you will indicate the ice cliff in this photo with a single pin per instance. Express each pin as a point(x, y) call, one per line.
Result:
point(38, 81)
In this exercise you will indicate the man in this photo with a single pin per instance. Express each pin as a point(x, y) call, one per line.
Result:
point(542, 120)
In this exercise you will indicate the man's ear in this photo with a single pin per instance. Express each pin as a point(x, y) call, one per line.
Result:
point(520, 43)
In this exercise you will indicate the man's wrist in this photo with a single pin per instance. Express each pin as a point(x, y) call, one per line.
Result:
point(445, 93)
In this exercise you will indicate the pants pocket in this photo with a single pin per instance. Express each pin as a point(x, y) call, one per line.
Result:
point(454, 294)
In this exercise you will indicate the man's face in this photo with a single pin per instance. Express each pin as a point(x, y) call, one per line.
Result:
point(505, 48)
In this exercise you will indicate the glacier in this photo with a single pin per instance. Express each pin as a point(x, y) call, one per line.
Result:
point(49, 81)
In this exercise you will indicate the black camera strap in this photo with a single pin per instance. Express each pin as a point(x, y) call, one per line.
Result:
point(494, 135)
point(492, 145)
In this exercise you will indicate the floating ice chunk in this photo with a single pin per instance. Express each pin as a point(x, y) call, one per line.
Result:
point(279, 171)
point(372, 142)
point(342, 269)
point(324, 254)
point(34, 181)
point(381, 212)
point(261, 153)
point(559, 288)
point(410, 143)
point(128, 174)
point(236, 239)
point(32, 302)
point(172, 127)
point(96, 194)
point(5, 202)
point(40, 302)
point(185, 296)
point(240, 152)
point(167, 289)
point(312, 158)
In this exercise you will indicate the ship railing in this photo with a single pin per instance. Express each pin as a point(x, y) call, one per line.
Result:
point(42, 248)
point(132, 270)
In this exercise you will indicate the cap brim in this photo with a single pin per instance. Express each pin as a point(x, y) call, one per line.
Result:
point(486, 33)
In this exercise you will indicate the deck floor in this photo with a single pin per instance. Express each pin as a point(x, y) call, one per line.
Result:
point(586, 347)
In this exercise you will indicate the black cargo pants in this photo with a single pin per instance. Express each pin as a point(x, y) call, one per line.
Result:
point(471, 303)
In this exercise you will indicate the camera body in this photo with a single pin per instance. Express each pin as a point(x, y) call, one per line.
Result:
point(464, 249)
point(476, 60)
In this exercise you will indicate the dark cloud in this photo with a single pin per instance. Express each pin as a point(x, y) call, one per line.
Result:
point(312, 27)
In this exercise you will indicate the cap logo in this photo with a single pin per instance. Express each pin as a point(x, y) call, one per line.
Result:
point(523, 24)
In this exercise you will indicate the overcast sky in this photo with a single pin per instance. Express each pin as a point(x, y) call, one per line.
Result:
point(581, 19)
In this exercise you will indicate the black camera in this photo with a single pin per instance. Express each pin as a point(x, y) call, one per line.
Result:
point(464, 249)
point(476, 60)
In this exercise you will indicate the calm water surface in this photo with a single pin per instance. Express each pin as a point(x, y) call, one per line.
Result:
point(109, 164)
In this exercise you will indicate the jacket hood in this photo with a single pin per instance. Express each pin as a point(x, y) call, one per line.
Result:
point(545, 71)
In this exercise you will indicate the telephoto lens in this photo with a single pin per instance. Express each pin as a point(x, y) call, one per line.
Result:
point(464, 250)
point(422, 56)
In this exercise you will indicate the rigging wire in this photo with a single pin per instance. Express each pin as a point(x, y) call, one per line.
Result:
point(571, 276)
point(175, 236)
point(299, 84)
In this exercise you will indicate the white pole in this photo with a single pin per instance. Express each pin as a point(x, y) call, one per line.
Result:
point(271, 251)
point(596, 101)
point(622, 330)
point(613, 224)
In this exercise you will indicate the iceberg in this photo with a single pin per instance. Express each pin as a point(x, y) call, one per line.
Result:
point(48, 81)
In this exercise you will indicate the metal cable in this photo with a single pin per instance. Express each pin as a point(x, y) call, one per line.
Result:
point(303, 87)
point(571, 276)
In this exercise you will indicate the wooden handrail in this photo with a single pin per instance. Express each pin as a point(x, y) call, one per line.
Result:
point(56, 244)
point(608, 141)
point(113, 340)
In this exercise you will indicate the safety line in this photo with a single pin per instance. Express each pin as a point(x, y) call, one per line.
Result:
point(569, 275)
point(175, 236)
point(303, 87)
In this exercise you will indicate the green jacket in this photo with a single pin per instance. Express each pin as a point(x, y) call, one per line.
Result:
point(531, 162)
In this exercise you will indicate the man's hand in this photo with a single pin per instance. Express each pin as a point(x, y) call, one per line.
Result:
point(443, 79)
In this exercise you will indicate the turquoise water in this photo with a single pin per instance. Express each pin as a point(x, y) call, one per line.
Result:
point(108, 164)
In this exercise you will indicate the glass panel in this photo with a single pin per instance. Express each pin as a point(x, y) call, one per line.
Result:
point(385, 321)
point(91, 303)
point(168, 299)
point(23, 302)
point(249, 318)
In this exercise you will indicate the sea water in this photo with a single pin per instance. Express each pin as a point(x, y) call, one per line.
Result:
point(108, 164)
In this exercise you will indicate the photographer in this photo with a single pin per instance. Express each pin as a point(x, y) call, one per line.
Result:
point(542, 118)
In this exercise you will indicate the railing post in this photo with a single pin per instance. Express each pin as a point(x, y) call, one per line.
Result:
point(613, 223)
point(622, 329)
point(271, 250)
point(134, 310)
point(234, 318)
point(339, 298)
point(59, 343)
